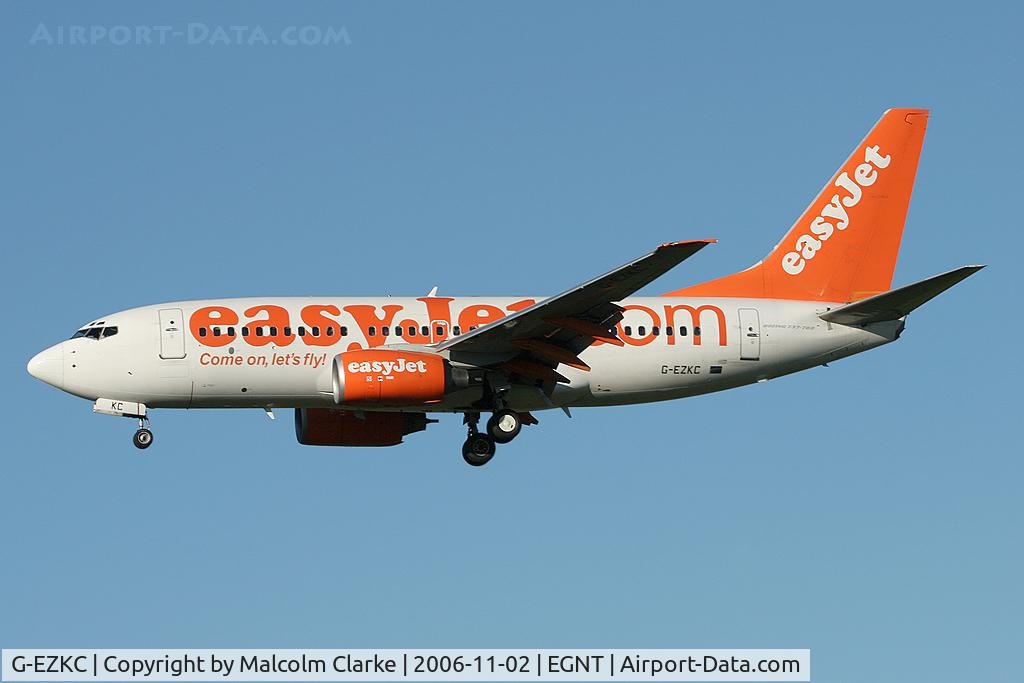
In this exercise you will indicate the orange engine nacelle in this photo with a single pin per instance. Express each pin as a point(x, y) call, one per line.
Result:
point(334, 427)
point(390, 377)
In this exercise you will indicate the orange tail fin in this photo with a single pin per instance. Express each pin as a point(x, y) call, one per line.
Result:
point(844, 246)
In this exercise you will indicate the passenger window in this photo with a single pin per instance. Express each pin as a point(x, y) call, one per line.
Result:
point(287, 331)
point(344, 331)
point(273, 330)
point(642, 331)
point(330, 331)
point(302, 331)
point(439, 331)
point(655, 331)
point(425, 331)
point(202, 331)
point(231, 332)
point(682, 331)
point(696, 331)
point(628, 330)
point(457, 330)
point(216, 332)
point(398, 331)
point(373, 331)
point(245, 331)
point(668, 331)
point(315, 330)
point(259, 330)
point(385, 331)
point(412, 330)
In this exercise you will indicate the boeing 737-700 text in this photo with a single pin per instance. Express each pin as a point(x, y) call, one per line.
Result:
point(367, 372)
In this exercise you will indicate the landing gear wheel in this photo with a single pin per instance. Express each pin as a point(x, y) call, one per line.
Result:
point(478, 450)
point(143, 438)
point(504, 426)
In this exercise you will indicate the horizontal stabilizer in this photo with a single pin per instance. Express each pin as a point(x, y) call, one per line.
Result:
point(896, 303)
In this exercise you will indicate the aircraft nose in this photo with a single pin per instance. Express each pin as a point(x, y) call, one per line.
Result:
point(48, 366)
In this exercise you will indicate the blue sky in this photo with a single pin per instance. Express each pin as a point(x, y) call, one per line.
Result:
point(870, 511)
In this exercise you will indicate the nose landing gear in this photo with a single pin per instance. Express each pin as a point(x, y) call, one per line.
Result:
point(143, 437)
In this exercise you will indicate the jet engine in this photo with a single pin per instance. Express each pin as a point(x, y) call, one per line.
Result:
point(336, 427)
point(390, 377)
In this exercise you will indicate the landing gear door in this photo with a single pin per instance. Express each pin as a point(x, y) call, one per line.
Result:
point(750, 334)
point(172, 334)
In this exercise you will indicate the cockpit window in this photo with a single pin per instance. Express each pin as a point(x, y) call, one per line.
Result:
point(95, 332)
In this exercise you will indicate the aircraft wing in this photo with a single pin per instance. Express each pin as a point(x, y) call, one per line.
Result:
point(534, 341)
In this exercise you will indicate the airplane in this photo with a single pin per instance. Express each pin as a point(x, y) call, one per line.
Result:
point(369, 371)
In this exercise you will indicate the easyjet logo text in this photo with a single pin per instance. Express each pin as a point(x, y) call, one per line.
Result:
point(321, 325)
point(388, 367)
point(834, 216)
point(392, 377)
point(429, 321)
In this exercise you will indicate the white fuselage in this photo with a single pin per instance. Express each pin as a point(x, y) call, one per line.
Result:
point(157, 357)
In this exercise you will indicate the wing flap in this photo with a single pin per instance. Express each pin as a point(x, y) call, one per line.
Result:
point(533, 370)
point(553, 352)
point(586, 328)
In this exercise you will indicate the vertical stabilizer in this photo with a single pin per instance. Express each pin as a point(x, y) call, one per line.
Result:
point(844, 246)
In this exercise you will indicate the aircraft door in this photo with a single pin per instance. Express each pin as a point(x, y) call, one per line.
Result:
point(439, 331)
point(750, 334)
point(172, 334)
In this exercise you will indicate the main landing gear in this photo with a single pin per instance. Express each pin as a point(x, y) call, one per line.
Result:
point(478, 449)
point(143, 437)
point(502, 427)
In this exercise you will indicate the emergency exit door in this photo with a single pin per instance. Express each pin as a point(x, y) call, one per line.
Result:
point(172, 333)
point(440, 330)
point(750, 334)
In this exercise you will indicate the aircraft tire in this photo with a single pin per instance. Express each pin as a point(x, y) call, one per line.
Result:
point(143, 439)
point(478, 450)
point(504, 426)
